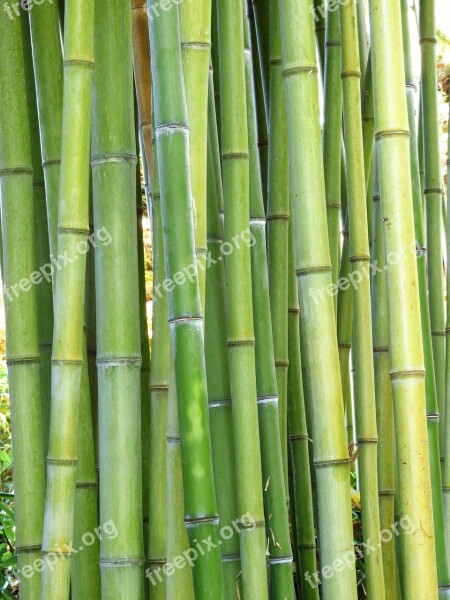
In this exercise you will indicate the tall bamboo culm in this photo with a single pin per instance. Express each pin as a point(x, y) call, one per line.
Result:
point(185, 318)
point(22, 338)
point(313, 270)
point(48, 70)
point(267, 384)
point(433, 200)
point(418, 559)
point(332, 135)
point(278, 223)
point(118, 348)
point(217, 365)
point(362, 359)
point(298, 440)
point(69, 291)
point(446, 471)
point(241, 340)
point(430, 382)
point(384, 400)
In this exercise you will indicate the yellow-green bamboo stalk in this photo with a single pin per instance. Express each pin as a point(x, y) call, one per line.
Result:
point(406, 355)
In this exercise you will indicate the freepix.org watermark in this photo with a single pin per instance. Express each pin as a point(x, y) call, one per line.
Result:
point(57, 263)
point(355, 278)
point(361, 550)
point(202, 547)
point(328, 5)
point(12, 9)
point(204, 262)
point(50, 559)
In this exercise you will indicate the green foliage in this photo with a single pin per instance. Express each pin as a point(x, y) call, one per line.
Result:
point(8, 559)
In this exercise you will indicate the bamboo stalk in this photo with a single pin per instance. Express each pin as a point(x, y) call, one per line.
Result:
point(433, 201)
point(384, 400)
point(430, 382)
point(298, 440)
point(313, 269)
point(241, 342)
point(185, 318)
point(359, 256)
point(159, 388)
point(48, 69)
point(261, 12)
point(217, 365)
point(331, 138)
point(268, 384)
point(418, 560)
point(69, 289)
point(446, 470)
point(44, 290)
point(278, 224)
point(22, 336)
point(118, 347)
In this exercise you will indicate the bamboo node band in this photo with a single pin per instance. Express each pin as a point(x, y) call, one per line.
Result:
point(294, 310)
point(185, 319)
point(299, 438)
point(357, 259)
point(290, 71)
point(28, 549)
point(258, 221)
point(51, 162)
point(312, 270)
point(19, 170)
point(201, 45)
point(306, 546)
point(249, 342)
point(430, 40)
point(119, 361)
point(407, 374)
point(279, 217)
point(237, 155)
point(381, 348)
point(392, 133)
point(333, 205)
point(219, 403)
point(165, 127)
point(111, 563)
point(62, 462)
point(438, 333)
point(267, 400)
point(275, 61)
point(333, 44)
point(231, 558)
point(376, 198)
point(156, 561)
point(191, 522)
point(346, 74)
point(386, 492)
point(433, 191)
point(23, 360)
point(86, 485)
point(74, 231)
point(76, 62)
point(372, 440)
point(324, 464)
point(66, 362)
point(159, 387)
point(281, 560)
point(115, 157)
point(433, 416)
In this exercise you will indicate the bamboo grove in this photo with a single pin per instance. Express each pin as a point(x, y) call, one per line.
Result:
point(279, 426)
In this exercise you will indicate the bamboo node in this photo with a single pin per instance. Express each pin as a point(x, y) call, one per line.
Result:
point(281, 560)
point(279, 217)
point(119, 361)
point(430, 40)
point(433, 416)
point(376, 198)
point(381, 348)
point(438, 333)
point(346, 74)
point(392, 133)
point(433, 191)
point(232, 343)
point(201, 45)
point(333, 44)
point(386, 492)
point(194, 521)
point(324, 464)
point(115, 157)
point(62, 462)
point(186, 318)
point(306, 546)
point(28, 549)
point(164, 127)
point(235, 155)
point(362, 258)
point(16, 171)
point(219, 403)
point(23, 360)
point(312, 270)
point(112, 563)
point(74, 231)
point(275, 61)
point(289, 71)
point(407, 374)
point(267, 400)
point(76, 62)
point(66, 362)
point(373, 440)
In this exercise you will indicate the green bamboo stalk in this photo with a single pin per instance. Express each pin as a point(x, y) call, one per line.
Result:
point(261, 12)
point(278, 224)
point(270, 376)
point(48, 69)
point(195, 37)
point(384, 400)
point(433, 201)
point(418, 560)
point(44, 290)
point(217, 365)
point(241, 341)
point(69, 289)
point(142, 78)
point(446, 471)
point(320, 12)
point(22, 330)
point(263, 136)
point(159, 387)
point(363, 43)
point(313, 269)
point(298, 440)
point(430, 382)
point(85, 567)
point(118, 347)
point(185, 317)
point(359, 256)
point(332, 135)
